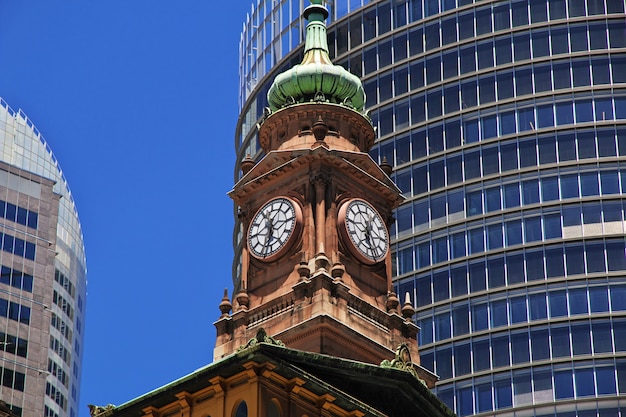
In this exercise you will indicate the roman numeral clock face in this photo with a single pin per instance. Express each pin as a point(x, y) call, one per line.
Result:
point(364, 231)
point(274, 228)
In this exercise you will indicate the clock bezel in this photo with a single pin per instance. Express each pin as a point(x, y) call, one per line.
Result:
point(347, 238)
point(294, 232)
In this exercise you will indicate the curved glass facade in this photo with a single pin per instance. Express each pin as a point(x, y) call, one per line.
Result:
point(505, 122)
point(63, 282)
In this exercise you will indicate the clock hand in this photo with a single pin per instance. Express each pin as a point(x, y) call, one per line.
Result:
point(270, 234)
point(370, 234)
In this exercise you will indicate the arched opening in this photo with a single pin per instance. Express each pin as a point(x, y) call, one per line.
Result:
point(241, 410)
point(273, 409)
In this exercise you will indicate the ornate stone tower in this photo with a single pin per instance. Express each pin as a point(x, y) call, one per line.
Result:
point(316, 269)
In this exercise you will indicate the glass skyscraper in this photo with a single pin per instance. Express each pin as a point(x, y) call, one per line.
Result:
point(43, 276)
point(505, 124)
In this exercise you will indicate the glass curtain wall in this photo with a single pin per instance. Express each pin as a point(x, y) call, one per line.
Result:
point(23, 146)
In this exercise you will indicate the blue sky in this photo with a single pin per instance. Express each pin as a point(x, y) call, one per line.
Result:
point(138, 101)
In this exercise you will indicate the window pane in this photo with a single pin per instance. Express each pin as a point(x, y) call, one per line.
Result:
point(507, 123)
point(581, 340)
point(476, 240)
point(451, 104)
point(534, 265)
point(515, 268)
point(478, 279)
point(472, 165)
point(494, 236)
point(554, 263)
point(595, 257)
point(541, 45)
point(532, 229)
point(490, 161)
point(500, 351)
point(558, 303)
point(503, 50)
point(483, 21)
point(513, 232)
point(523, 81)
point(560, 43)
point(591, 213)
point(492, 199)
point(569, 186)
point(530, 192)
point(481, 355)
point(508, 157)
point(462, 361)
point(521, 47)
point(520, 13)
point(538, 12)
point(618, 298)
point(458, 245)
point(578, 301)
point(616, 256)
point(560, 342)
point(423, 291)
point(483, 398)
point(480, 316)
point(542, 382)
point(434, 104)
point(584, 382)
point(557, 9)
point(468, 59)
point(459, 281)
point(519, 348)
point(518, 310)
point(487, 89)
point(522, 389)
point(485, 55)
point(584, 111)
point(453, 129)
point(464, 401)
point(442, 326)
point(538, 306)
point(540, 345)
point(580, 71)
point(460, 321)
point(606, 143)
point(598, 299)
point(602, 340)
point(563, 386)
point(600, 71)
point(597, 32)
point(564, 115)
point(496, 272)
point(444, 363)
point(578, 36)
point(417, 75)
point(545, 116)
point(575, 260)
point(549, 189)
point(547, 150)
point(605, 377)
point(503, 393)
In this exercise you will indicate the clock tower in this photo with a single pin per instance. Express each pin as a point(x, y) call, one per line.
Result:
point(315, 210)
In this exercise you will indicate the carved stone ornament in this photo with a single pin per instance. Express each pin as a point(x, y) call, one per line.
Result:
point(96, 410)
point(261, 337)
point(402, 362)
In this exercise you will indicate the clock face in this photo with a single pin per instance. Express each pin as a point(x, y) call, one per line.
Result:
point(364, 231)
point(273, 228)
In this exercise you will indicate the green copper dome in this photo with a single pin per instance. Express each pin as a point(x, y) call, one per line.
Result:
point(316, 78)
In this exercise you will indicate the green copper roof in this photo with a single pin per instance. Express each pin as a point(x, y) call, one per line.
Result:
point(316, 78)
